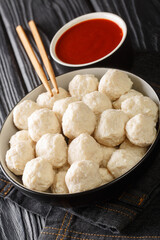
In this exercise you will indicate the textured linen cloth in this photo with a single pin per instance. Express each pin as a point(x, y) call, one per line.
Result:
point(108, 216)
point(135, 212)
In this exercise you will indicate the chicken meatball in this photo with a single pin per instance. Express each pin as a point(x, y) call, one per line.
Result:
point(84, 147)
point(140, 104)
point(38, 174)
point(114, 83)
point(53, 148)
point(83, 84)
point(21, 113)
point(21, 136)
point(97, 102)
point(18, 155)
point(121, 161)
point(78, 118)
point(110, 130)
point(46, 101)
point(61, 105)
point(41, 122)
point(130, 93)
point(83, 175)
point(59, 186)
point(141, 130)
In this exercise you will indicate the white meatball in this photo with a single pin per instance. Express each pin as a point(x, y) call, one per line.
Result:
point(110, 130)
point(38, 174)
point(105, 175)
point(141, 130)
point(130, 93)
point(97, 102)
point(138, 150)
point(61, 105)
point(53, 148)
point(140, 104)
point(21, 113)
point(107, 153)
point(78, 118)
point(121, 161)
point(46, 101)
point(82, 176)
point(59, 186)
point(41, 122)
point(18, 155)
point(84, 147)
point(114, 83)
point(21, 136)
point(83, 84)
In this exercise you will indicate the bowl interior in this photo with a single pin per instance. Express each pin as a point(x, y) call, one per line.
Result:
point(9, 129)
point(98, 15)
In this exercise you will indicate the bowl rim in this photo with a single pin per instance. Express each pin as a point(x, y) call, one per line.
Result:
point(70, 195)
point(95, 15)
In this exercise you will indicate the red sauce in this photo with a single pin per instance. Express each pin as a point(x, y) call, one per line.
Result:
point(88, 41)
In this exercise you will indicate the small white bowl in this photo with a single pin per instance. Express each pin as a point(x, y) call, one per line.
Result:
point(97, 15)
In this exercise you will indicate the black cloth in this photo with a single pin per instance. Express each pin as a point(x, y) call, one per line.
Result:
point(112, 215)
point(135, 212)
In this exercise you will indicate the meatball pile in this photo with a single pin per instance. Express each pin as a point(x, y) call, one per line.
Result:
point(82, 138)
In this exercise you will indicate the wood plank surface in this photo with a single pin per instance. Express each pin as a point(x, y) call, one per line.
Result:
point(140, 55)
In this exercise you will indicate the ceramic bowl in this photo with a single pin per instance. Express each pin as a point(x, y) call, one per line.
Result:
point(98, 15)
point(108, 190)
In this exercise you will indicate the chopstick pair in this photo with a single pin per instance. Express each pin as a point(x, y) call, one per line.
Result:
point(37, 66)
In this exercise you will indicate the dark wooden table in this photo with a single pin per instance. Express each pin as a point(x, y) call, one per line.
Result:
point(140, 55)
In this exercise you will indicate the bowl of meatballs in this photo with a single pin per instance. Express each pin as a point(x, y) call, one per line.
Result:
point(83, 143)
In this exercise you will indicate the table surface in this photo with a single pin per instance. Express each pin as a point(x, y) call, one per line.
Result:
point(139, 55)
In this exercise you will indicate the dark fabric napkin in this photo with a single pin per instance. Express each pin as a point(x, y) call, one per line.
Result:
point(140, 55)
point(112, 215)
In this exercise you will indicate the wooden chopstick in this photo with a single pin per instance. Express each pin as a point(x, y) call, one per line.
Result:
point(37, 66)
point(43, 53)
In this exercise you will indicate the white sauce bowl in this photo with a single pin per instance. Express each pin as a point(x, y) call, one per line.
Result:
point(97, 15)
